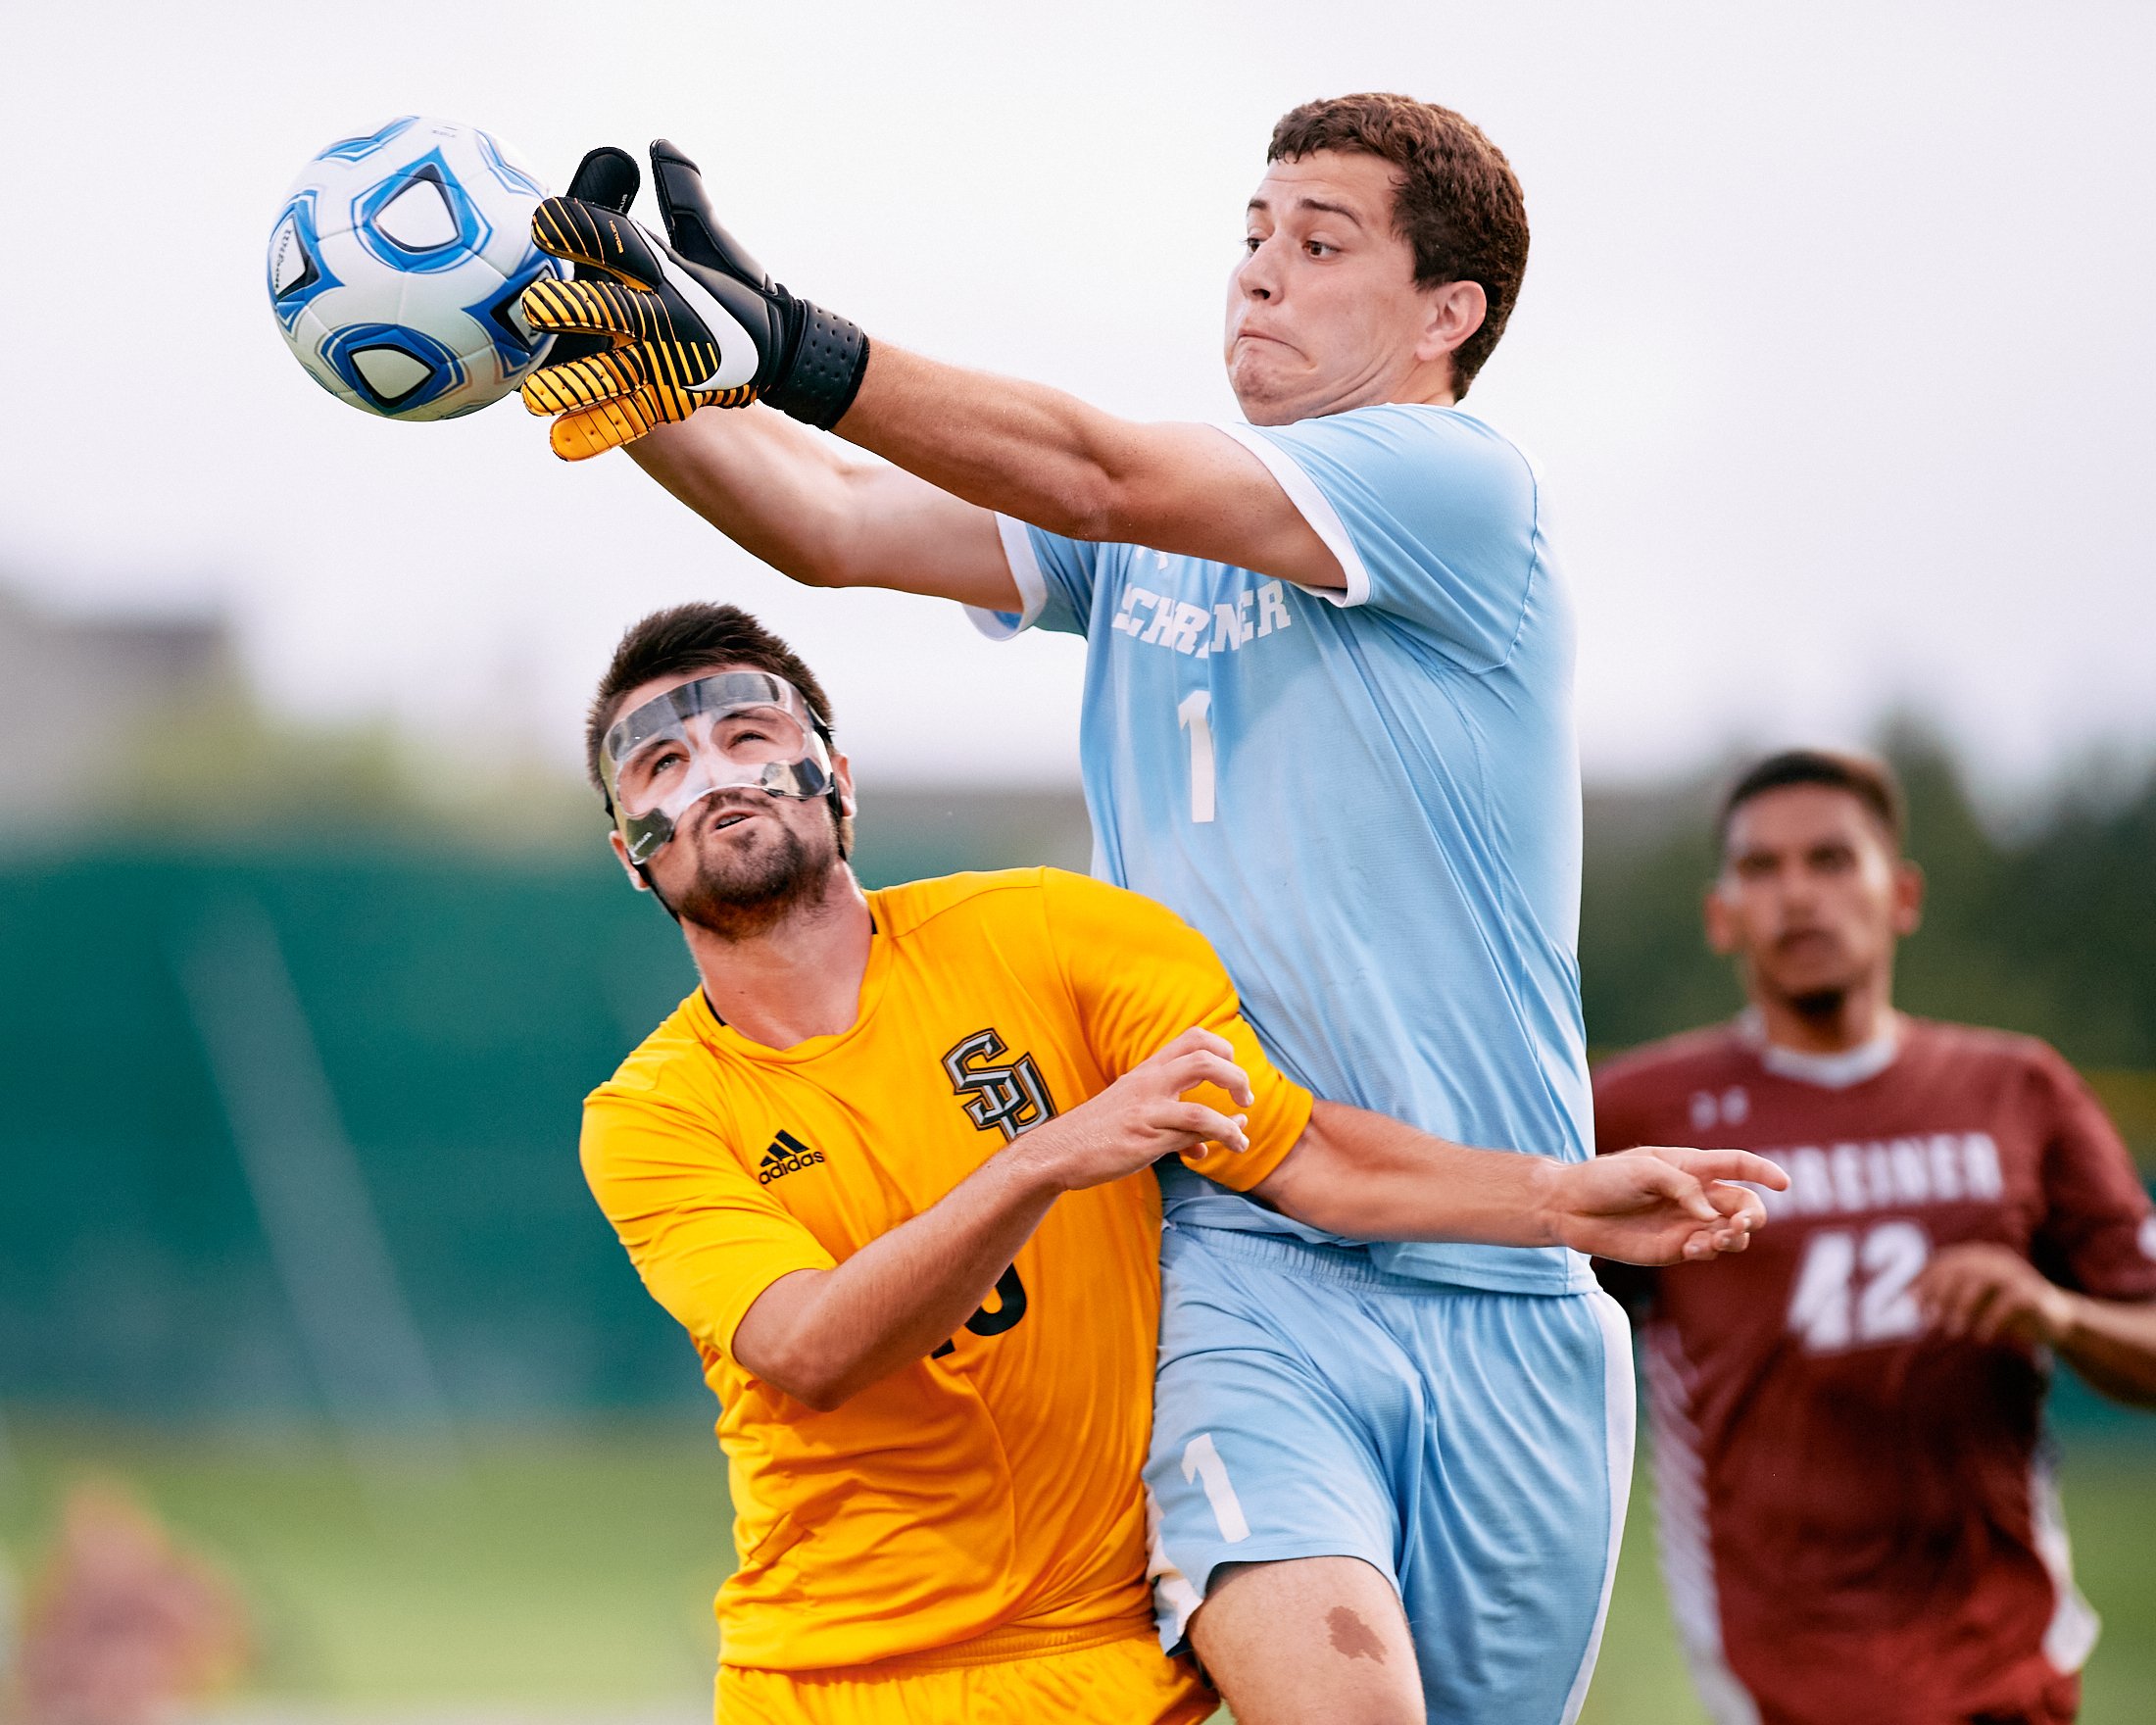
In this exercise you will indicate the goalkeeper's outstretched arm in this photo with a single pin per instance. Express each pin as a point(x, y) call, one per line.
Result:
point(807, 509)
point(661, 328)
point(964, 446)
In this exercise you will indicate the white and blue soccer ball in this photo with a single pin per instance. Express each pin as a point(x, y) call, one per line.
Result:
point(397, 264)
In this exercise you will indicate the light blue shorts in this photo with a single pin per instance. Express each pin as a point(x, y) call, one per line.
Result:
point(1474, 1447)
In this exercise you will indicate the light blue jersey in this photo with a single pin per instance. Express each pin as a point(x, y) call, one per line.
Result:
point(1369, 801)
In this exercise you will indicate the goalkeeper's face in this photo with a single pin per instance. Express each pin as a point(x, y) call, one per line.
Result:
point(739, 858)
point(1323, 310)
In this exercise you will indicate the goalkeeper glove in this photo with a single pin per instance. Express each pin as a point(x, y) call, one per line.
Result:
point(607, 178)
point(693, 323)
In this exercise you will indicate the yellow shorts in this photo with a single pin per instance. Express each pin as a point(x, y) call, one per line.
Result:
point(1126, 1681)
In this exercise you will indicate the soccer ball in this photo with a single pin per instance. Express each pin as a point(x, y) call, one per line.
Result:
point(397, 264)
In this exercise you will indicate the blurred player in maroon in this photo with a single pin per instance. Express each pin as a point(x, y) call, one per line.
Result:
point(1858, 1522)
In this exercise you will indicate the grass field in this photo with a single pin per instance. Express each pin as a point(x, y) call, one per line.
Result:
point(567, 1574)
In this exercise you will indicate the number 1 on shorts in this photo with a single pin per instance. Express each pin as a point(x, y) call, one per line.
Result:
point(1192, 714)
point(1201, 1463)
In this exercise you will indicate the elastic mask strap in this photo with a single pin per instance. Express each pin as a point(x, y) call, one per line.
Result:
point(836, 802)
point(644, 873)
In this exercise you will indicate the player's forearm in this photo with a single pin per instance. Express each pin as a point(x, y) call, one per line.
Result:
point(1368, 1177)
point(759, 479)
point(1042, 456)
point(1021, 448)
point(2112, 1345)
point(825, 1336)
point(798, 504)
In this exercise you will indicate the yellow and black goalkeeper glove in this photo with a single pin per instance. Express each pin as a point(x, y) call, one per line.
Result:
point(693, 323)
point(605, 178)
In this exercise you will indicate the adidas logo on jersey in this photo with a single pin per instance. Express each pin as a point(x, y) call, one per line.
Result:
point(787, 1156)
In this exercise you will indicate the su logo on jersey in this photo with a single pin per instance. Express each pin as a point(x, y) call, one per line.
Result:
point(1013, 1098)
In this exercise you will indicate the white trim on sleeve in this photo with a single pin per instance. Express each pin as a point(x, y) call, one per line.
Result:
point(1314, 508)
point(1025, 570)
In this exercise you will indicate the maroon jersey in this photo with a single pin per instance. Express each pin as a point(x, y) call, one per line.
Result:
point(1857, 1520)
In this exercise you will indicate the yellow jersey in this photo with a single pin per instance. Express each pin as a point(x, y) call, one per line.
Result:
point(991, 1489)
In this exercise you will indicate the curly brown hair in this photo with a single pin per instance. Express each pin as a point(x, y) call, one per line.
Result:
point(1456, 201)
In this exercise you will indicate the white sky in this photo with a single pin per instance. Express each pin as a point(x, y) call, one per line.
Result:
point(1837, 344)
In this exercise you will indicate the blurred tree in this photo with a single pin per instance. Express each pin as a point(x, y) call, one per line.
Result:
point(2077, 906)
point(219, 763)
point(152, 725)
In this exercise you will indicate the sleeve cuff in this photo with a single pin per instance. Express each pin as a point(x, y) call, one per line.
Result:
point(761, 1283)
point(1025, 570)
point(1314, 508)
point(1239, 1172)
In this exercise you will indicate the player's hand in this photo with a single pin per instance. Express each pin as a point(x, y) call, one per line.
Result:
point(1144, 1117)
point(1663, 1203)
point(607, 178)
point(1987, 1293)
point(688, 322)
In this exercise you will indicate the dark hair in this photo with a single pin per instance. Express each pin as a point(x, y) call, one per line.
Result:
point(1870, 781)
point(700, 636)
point(1457, 203)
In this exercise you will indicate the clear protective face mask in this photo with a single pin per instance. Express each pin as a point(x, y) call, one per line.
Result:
point(737, 730)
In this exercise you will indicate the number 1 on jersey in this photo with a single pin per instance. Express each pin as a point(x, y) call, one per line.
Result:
point(1192, 714)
